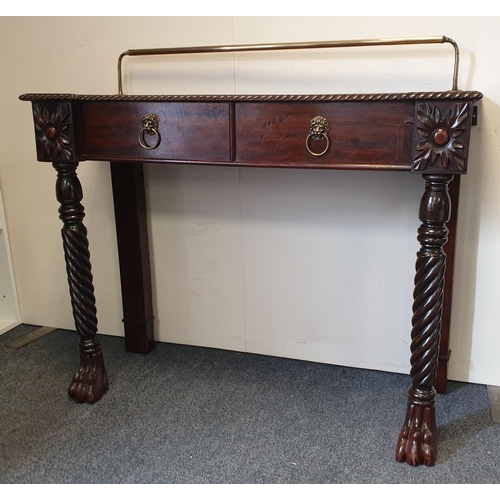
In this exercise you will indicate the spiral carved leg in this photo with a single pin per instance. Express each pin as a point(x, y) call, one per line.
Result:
point(91, 381)
point(417, 440)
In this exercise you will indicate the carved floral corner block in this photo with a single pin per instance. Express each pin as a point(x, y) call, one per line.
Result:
point(441, 137)
point(54, 131)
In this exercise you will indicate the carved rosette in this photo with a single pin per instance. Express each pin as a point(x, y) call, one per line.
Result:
point(53, 131)
point(441, 137)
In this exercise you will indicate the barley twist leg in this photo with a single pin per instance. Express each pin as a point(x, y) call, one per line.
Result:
point(91, 381)
point(417, 440)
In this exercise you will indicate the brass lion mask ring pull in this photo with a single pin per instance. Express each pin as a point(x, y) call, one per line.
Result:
point(318, 131)
point(149, 124)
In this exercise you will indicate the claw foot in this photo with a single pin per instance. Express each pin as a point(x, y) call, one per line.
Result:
point(91, 381)
point(417, 440)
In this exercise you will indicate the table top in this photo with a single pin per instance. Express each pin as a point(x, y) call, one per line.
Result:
point(419, 132)
point(472, 95)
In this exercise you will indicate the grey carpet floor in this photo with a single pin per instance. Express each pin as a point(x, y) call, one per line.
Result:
point(195, 415)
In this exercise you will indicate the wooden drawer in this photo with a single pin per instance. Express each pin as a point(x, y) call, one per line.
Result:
point(189, 130)
point(360, 135)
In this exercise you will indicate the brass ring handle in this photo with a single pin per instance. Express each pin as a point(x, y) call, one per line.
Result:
point(142, 139)
point(324, 137)
point(319, 129)
point(149, 124)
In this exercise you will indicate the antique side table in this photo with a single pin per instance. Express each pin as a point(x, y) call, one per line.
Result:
point(424, 133)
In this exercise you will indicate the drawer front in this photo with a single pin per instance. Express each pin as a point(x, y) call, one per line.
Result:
point(187, 131)
point(361, 133)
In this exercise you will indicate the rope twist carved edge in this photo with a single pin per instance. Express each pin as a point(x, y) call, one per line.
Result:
point(450, 94)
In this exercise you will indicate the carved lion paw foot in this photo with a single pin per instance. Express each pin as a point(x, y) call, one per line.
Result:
point(417, 440)
point(91, 381)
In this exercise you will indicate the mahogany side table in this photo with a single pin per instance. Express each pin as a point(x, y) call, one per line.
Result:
point(425, 133)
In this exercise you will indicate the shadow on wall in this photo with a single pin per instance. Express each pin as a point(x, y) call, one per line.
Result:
point(474, 213)
point(333, 250)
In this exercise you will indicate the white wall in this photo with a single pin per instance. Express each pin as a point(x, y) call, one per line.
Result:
point(305, 264)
